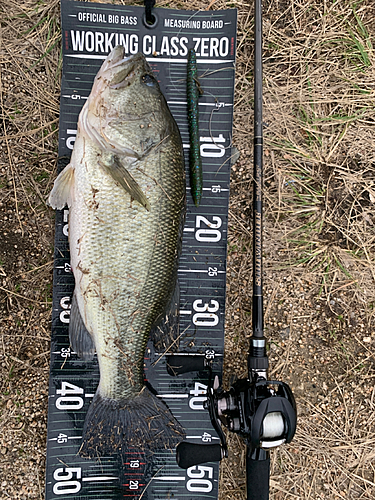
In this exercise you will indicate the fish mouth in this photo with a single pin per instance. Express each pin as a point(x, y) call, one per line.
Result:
point(122, 69)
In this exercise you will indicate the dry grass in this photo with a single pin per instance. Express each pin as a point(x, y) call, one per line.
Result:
point(319, 83)
point(319, 96)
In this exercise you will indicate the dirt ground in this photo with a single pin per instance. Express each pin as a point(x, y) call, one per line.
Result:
point(319, 96)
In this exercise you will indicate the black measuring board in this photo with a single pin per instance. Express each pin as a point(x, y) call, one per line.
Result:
point(89, 32)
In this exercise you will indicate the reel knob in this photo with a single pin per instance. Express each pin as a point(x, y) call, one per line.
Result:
point(189, 454)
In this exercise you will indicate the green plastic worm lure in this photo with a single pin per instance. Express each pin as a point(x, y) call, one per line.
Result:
point(195, 161)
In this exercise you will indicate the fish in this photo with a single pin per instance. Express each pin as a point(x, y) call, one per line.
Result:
point(126, 193)
point(193, 90)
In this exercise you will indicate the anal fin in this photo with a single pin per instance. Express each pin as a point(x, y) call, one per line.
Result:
point(80, 339)
point(164, 334)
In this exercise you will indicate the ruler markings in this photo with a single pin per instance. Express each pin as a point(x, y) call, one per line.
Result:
point(213, 255)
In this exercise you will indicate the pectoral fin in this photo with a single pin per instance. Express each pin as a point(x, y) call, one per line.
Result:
point(119, 173)
point(61, 193)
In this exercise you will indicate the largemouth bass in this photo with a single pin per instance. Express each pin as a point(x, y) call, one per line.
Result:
point(125, 188)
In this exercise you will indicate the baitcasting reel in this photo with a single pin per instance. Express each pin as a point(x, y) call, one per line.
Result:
point(262, 412)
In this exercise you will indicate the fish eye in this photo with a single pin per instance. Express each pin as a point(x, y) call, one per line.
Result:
point(149, 80)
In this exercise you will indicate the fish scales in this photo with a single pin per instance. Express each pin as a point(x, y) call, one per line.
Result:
point(124, 285)
point(125, 187)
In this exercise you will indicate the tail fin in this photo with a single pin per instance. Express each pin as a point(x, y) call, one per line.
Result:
point(143, 422)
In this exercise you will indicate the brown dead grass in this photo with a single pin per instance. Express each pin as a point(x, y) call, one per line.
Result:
point(319, 79)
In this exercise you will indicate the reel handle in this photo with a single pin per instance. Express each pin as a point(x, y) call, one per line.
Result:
point(257, 474)
point(178, 364)
point(190, 454)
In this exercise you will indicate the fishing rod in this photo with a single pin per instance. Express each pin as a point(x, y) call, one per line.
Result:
point(262, 411)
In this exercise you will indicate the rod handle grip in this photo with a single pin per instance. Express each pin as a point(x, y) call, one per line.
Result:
point(257, 478)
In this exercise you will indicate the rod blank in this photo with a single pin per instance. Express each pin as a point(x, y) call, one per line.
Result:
point(258, 177)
